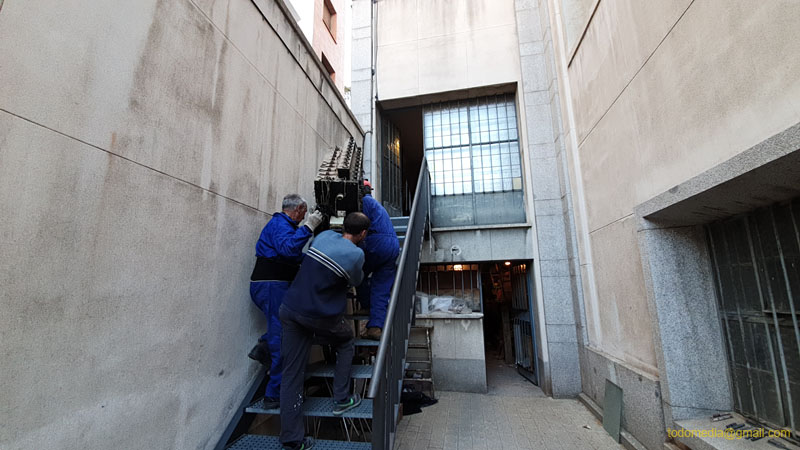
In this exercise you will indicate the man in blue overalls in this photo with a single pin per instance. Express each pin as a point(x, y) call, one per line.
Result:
point(279, 251)
point(381, 248)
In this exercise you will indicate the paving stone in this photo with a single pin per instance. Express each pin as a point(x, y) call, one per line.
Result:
point(516, 416)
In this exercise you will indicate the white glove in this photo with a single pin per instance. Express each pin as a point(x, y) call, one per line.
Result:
point(314, 219)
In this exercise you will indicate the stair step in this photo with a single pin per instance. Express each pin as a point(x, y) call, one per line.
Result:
point(318, 407)
point(417, 345)
point(366, 342)
point(399, 220)
point(326, 371)
point(411, 363)
point(356, 317)
point(261, 442)
point(424, 380)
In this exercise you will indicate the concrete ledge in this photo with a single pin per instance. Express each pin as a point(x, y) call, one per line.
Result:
point(625, 438)
point(763, 174)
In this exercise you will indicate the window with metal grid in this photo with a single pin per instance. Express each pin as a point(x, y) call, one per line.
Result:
point(391, 170)
point(473, 154)
point(756, 264)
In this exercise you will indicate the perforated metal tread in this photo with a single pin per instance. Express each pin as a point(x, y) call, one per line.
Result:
point(360, 371)
point(356, 317)
point(367, 342)
point(261, 442)
point(318, 407)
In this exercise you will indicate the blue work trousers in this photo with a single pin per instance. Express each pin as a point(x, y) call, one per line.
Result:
point(380, 261)
point(299, 332)
point(268, 296)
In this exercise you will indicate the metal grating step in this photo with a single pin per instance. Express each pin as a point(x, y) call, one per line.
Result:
point(425, 380)
point(260, 442)
point(356, 317)
point(366, 343)
point(326, 371)
point(318, 407)
point(399, 221)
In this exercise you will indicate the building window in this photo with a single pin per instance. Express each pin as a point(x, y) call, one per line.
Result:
point(756, 264)
point(329, 68)
point(329, 17)
point(473, 154)
point(448, 288)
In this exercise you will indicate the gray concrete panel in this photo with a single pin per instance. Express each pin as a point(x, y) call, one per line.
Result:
point(137, 179)
point(550, 233)
point(680, 288)
point(557, 293)
point(564, 369)
point(642, 414)
point(125, 299)
point(461, 375)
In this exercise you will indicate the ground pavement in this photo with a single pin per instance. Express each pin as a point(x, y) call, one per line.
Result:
point(514, 414)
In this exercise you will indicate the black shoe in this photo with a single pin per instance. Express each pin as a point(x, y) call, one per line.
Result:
point(272, 403)
point(260, 353)
point(340, 408)
point(308, 442)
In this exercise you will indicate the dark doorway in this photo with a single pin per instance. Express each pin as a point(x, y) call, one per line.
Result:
point(507, 324)
point(401, 129)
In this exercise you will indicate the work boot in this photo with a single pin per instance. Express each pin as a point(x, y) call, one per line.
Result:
point(340, 408)
point(272, 403)
point(373, 333)
point(261, 353)
point(307, 443)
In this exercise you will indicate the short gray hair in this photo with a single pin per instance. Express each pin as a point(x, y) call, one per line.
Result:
point(293, 201)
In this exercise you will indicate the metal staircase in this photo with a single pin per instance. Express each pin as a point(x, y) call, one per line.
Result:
point(385, 376)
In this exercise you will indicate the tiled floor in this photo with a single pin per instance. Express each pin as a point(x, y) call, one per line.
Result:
point(514, 414)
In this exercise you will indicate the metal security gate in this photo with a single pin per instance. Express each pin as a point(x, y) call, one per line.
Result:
point(524, 342)
point(391, 174)
point(756, 262)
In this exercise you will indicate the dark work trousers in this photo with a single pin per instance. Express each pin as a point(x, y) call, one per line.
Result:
point(299, 332)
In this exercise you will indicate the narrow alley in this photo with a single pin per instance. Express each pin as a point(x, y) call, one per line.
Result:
point(513, 414)
point(274, 224)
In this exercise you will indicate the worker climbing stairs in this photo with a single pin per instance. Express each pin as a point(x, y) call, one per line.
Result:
point(379, 377)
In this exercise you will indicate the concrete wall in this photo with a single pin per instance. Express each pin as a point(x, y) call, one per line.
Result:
point(143, 145)
point(430, 46)
point(659, 97)
point(654, 96)
point(459, 359)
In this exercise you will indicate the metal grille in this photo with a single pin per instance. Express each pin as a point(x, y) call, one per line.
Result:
point(524, 349)
point(461, 281)
point(391, 175)
point(756, 262)
point(473, 151)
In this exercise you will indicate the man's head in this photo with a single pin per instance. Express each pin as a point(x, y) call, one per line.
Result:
point(355, 227)
point(295, 207)
point(366, 188)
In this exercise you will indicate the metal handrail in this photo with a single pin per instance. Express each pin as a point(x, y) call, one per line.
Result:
point(387, 373)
